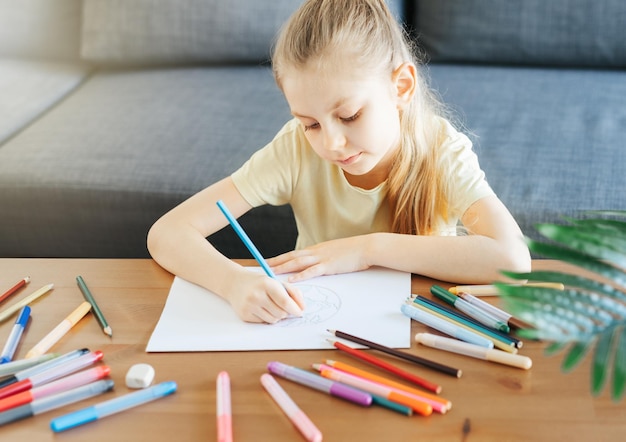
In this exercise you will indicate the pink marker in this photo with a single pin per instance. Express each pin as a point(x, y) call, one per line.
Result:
point(58, 386)
point(224, 412)
point(289, 407)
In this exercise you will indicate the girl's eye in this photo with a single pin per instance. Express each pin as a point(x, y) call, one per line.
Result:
point(311, 126)
point(352, 118)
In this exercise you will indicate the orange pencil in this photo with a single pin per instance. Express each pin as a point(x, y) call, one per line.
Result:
point(438, 403)
point(387, 366)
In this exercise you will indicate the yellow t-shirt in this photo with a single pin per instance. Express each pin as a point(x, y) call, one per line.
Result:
point(326, 206)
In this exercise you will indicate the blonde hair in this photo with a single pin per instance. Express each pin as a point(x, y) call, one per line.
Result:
point(369, 36)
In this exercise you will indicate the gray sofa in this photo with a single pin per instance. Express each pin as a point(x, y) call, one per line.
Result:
point(113, 111)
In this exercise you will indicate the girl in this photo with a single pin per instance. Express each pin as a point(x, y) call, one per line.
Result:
point(375, 175)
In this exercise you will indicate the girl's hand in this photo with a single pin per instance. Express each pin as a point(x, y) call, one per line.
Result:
point(343, 255)
point(258, 298)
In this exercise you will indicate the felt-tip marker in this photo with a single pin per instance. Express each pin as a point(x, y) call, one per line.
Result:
point(112, 406)
point(15, 335)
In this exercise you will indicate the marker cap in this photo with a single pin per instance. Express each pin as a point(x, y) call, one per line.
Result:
point(74, 419)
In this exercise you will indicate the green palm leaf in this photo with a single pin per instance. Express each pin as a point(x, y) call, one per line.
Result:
point(589, 315)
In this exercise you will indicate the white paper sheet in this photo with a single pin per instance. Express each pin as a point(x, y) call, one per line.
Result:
point(365, 304)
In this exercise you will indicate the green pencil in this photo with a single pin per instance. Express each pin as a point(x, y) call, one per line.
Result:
point(94, 306)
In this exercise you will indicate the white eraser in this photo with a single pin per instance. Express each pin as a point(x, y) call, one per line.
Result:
point(139, 376)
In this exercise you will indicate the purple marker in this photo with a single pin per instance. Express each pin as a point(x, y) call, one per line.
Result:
point(319, 383)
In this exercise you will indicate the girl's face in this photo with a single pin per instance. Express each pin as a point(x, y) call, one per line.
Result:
point(349, 120)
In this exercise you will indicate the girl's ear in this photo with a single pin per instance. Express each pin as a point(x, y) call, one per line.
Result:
point(405, 82)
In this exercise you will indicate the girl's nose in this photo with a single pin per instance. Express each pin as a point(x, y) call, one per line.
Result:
point(334, 139)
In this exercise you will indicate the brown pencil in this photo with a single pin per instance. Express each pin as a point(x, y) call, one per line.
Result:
point(400, 354)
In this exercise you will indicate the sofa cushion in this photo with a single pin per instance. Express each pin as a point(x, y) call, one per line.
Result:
point(181, 31)
point(30, 88)
point(126, 147)
point(551, 141)
point(567, 32)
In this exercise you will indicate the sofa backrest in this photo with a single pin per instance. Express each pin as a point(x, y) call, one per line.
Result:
point(40, 29)
point(181, 31)
point(537, 32)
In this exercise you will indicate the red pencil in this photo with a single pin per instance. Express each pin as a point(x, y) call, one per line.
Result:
point(15, 288)
point(387, 366)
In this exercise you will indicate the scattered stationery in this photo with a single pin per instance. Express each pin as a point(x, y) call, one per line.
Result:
point(15, 288)
point(316, 382)
point(491, 290)
point(365, 303)
point(500, 340)
point(400, 354)
point(364, 356)
point(9, 311)
point(15, 335)
point(94, 306)
point(112, 406)
point(39, 406)
point(60, 330)
point(417, 405)
point(470, 310)
point(429, 319)
point(43, 377)
point(438, 403)
point(299, 419)
point(464, 348)
point(58, 386)
point(44, 366)
point(223, 408)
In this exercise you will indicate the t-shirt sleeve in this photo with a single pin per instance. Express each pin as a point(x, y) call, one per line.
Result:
point(467, 180)
point(269, 176)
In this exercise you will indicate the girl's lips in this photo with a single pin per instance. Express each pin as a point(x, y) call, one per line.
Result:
point(350, 160)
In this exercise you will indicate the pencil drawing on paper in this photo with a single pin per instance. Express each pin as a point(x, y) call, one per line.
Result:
point(322, 304)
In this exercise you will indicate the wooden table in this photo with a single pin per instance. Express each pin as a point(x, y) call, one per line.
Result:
point(491, 402)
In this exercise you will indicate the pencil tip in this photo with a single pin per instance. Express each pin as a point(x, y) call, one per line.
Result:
point(330, 331)
point(108, 331)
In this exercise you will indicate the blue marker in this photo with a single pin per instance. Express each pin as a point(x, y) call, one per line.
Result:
point(16, 334)
point(246, 239)
point(107, 408)
point(444, 326)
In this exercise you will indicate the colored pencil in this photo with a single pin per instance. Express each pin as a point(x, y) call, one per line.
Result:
point(15, 288)
point(400, 354)
point(430, 386)
point(9, 311)
point(94, 306)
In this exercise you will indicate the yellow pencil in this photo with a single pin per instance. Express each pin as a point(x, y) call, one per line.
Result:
point(9, 311)
point(59, 331)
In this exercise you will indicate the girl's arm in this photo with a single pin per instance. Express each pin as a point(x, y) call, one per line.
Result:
point(177, 241)
point(495, 243)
